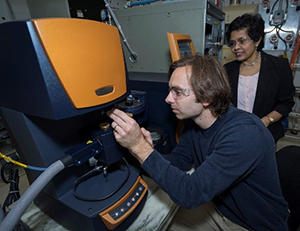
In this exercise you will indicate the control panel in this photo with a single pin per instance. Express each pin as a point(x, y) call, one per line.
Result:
point(129, 203)
point(117, 213)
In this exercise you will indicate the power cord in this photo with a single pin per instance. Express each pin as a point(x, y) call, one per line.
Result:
point(21, 164)
point(13, 180)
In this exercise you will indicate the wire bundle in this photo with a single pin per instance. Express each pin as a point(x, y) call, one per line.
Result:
point(14, 192)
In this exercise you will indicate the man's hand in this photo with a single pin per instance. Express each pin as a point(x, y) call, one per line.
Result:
point(147, 135)
point(129, 134)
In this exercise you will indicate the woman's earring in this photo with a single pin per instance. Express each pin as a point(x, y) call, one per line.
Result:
point(256, 46)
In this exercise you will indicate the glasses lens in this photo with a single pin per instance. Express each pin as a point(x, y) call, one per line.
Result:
point(231, 44)
point(242, 41)
point(179, 93)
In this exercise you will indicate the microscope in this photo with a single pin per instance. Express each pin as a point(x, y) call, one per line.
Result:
point(58, 78)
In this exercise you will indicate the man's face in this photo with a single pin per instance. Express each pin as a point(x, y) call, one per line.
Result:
point(181, 96)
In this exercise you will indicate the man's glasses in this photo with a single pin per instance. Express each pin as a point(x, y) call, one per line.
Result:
point(241, 41)
point(179, 93)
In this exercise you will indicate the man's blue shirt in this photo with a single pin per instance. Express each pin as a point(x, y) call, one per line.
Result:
point(235, 167)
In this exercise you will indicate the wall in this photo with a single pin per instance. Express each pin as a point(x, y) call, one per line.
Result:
point(13, 10)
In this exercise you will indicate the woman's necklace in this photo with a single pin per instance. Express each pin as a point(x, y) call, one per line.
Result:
point(252, 64)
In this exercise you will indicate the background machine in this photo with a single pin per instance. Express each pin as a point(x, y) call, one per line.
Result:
point(58, 77)
point(146, 29)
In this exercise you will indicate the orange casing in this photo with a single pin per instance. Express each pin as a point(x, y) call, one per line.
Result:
point(86, 56)
point(173, 40)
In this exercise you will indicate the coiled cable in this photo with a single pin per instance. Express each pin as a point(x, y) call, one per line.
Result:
point(93, 172)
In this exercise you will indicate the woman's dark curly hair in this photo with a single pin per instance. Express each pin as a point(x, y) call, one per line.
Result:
point(254, 24)
point(209, 81)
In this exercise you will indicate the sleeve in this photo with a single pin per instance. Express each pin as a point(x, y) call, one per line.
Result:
point(181, 156)
point(286, 89)
point(231, 160)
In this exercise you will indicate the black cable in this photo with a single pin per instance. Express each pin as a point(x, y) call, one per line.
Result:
point(14, 192)
point(272, 12)
point(279, 7)
point(286, 31)
point(277, 32)
point(3, 178)
point(4, 137)
point(90, 174)
point(2, 127)
point(270, 30)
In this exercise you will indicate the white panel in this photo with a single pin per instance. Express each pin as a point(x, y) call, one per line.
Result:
point(5, 15)
point(233, 12)
point(48, 8)
point(20, 6)
point(22, 16)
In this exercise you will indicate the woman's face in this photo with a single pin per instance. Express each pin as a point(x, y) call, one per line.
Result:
point(242, 46)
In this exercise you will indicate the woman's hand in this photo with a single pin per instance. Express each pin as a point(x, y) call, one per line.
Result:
point(266, 121)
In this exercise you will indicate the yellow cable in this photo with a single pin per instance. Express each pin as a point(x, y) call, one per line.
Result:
point(12, 161)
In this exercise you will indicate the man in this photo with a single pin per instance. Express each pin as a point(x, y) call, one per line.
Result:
point(235, 185)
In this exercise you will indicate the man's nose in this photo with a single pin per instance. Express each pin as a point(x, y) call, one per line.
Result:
point(169, 99)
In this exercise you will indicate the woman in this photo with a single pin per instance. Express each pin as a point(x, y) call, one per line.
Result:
point(260, 83)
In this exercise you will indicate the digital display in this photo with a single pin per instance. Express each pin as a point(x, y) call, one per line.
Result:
point(185, 48)
point(181, 45)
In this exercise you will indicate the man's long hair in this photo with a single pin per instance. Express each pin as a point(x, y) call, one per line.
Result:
point(209, 81)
